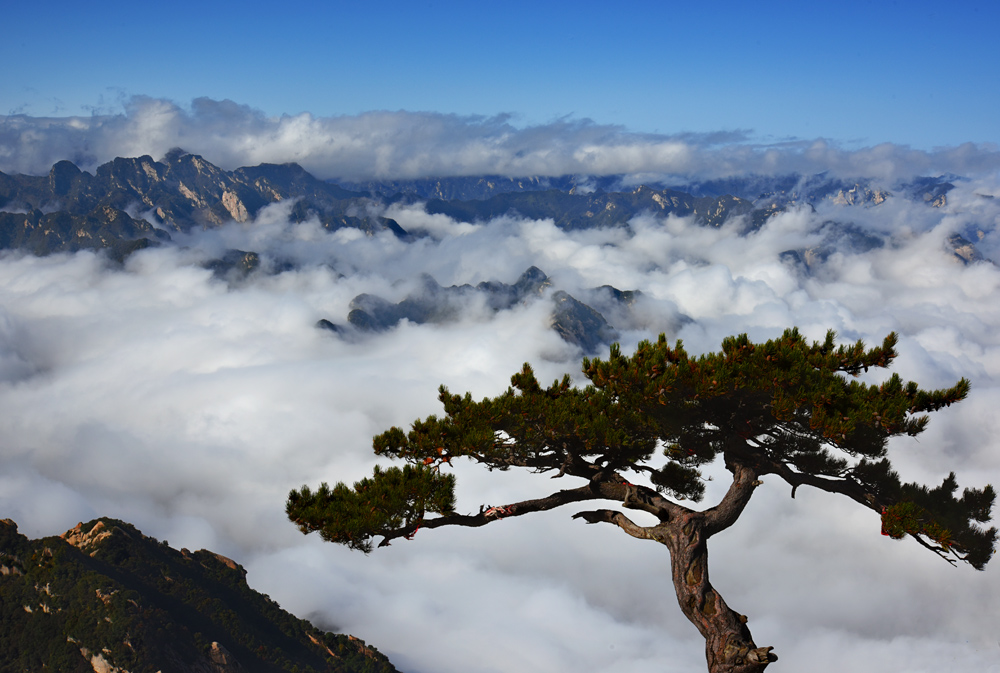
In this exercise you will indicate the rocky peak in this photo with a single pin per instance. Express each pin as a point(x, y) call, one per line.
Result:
point(62, 177)
point(859, 194)
point(532, 281)
point(194, 169)
point(964, 250)
point(86, 537)
point(137, 175)
point(579, 324)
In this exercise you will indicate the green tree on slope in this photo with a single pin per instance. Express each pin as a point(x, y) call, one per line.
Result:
point(785, 407)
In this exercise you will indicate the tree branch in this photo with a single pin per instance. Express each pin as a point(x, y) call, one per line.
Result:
point(630, 495)
point(617, 518)
point(635, 496)
point(940, 551)
point(557, 499)
point(843, 486)
point(725, 514)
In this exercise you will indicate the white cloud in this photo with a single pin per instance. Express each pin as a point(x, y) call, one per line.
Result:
point(189, 405)
point(414, 218)
point(404, 144)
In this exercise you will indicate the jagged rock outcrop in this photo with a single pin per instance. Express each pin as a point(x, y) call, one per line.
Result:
point(860, 194)
point(103, 228)
point(964, 250)
point(139, 198)
point(932, 191)
point(580, 324)
point(837, 237)
point(234, 264)
point(576, 322)
point(104, 597)
point(431, 302)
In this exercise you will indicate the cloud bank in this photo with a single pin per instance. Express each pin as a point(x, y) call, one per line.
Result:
point(401, 145)
point(190, 405)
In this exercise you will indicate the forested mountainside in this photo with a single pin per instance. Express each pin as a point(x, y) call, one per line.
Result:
point(104, 597)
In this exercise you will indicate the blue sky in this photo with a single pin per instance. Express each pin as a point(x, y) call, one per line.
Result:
point(922, 74)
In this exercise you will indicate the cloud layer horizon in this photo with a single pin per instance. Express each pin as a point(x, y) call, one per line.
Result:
point(405, 145)
point(189, 404)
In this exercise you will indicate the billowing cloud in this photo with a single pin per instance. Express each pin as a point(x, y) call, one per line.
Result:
point(191, 404)
point(390, 145)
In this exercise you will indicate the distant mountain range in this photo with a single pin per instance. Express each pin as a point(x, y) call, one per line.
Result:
point(760, 190)
point(105, 598)
point(130, 200)
point(132, 203)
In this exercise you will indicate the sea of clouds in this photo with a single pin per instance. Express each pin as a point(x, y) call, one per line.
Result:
point(189, 404)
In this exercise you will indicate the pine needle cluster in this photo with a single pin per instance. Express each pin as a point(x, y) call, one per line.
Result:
point(786, 407)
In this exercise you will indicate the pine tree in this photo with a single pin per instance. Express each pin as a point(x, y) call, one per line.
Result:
point(785, 407)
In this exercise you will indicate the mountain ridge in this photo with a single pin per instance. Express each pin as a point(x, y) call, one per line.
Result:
point(129, 204)
point(103, 597)
point(70, 209)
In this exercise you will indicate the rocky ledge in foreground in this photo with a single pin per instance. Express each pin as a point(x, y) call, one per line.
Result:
point(105, 598)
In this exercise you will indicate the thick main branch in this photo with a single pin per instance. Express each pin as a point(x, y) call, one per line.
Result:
point(557, 499)
point(729, 509)
point(843, 486)
point(618, 519)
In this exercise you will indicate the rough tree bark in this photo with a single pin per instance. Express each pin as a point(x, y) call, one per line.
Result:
point(729, 646)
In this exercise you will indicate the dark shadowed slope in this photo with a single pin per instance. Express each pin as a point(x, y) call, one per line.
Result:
point(105, 597)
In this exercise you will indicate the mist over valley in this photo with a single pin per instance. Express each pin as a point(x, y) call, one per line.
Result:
point(183, 341)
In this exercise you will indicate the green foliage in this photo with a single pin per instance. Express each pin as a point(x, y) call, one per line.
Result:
point(391, 499)
point(146, 607)
point(948, 521)
point(798, 398)
point(785, 407)
point(527, 426)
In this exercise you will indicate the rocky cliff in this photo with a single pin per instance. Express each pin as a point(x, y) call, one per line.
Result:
point(141, 199)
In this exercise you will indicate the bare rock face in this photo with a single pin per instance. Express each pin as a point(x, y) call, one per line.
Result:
point(99, 663)
point(859, 194)
point(84, 540)
point(229, 563)
point(222, 661)
point(964, 250)
point(231, 202)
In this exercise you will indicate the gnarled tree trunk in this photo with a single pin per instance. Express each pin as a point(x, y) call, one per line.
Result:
point(729, 647)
